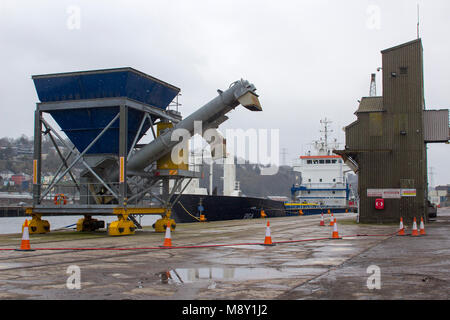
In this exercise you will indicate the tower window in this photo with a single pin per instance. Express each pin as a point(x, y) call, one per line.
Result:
point(403, 70)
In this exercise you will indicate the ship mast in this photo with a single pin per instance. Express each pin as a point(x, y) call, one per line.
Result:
point(323, 145)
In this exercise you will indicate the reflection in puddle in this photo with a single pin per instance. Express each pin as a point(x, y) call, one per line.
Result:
point(169, 277)
point(187, 275)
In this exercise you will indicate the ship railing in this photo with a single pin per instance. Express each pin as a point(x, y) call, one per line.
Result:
point(324, 185)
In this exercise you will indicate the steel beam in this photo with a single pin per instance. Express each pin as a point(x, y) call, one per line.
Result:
point(123, 144)
point(103, 103)
point(144, 117)
point(179, 195)
point(151, 125)
point(80, 156)
point(62, 158)
point(73, 149)
point(37, 157)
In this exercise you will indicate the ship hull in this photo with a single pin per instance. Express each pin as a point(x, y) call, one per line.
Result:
point(217, 208)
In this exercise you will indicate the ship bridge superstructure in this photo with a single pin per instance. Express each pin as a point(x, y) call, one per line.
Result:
point(323, 174)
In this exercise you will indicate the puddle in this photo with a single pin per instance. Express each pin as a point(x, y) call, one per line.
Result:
point(275, 286)
point(334, 249)
point(316, 261)
point(120, 276)
point(10, 265)
point(189, 275)
point(252, 247)
point(337, 249)
point(326, 243)
point(339, 243)
point(238, 261)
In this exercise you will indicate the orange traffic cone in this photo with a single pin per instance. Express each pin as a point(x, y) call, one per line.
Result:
point(422, 227)
point(167, 239)
point(25, 244)
point(414, 229)
point(401, 229)
point(335, 234)
point(331, 219)
point(268, 238)
point(322, 222)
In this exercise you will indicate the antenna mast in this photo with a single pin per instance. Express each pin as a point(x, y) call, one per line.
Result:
point(325, 131)
point(418, 20)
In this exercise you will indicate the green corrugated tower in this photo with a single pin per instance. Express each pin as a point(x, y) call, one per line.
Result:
point(386, 145)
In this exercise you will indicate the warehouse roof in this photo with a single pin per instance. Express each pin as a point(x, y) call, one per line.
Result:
point(403, 45)
point(370, 104)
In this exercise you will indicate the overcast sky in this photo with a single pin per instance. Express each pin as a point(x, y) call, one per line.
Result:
point(308, 59)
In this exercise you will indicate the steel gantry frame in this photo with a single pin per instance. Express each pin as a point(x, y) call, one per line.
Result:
point(128, 181)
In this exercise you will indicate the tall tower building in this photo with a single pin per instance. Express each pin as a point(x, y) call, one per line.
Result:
point(387, 142)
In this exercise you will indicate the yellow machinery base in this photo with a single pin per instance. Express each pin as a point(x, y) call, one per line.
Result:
point(37, 226)
point(121, 227)
point(89, 224)
point(161, 224)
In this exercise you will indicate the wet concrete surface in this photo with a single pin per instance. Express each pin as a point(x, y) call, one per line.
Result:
point(410, 268)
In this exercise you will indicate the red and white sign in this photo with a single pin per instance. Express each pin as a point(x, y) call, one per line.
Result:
point(374, 193)
point(391, 194)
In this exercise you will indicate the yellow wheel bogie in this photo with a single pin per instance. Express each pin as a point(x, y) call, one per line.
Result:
point(161, 224)
point(38, 226)
point(121, 227)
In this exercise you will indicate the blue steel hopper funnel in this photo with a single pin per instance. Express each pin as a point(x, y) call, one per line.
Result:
point(82, 125)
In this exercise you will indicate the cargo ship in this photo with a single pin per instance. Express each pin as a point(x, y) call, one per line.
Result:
point(324, 186)
point(196, 203)
point(190, 207)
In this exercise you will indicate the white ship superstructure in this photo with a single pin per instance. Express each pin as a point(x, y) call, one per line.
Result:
point(231, 187)
point(323, 175)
